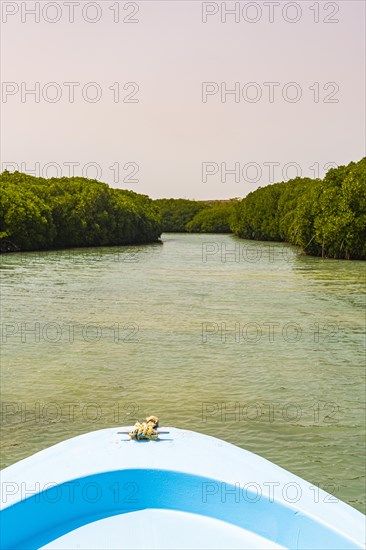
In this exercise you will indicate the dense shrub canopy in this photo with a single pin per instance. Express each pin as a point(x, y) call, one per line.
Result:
point(325, 217)
point(184, 215)
point(176, 213)
point(213, 219)
point(37, 213)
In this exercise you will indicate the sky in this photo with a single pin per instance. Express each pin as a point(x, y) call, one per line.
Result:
point(182, 98)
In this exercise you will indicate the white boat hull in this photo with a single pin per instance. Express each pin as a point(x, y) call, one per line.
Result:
point(186, 490)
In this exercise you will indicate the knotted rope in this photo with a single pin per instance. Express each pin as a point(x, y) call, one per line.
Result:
point(145, 430)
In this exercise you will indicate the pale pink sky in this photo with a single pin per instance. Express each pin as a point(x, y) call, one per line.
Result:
point(161, 141)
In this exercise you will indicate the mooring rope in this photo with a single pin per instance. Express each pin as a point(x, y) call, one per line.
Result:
point(145, 430)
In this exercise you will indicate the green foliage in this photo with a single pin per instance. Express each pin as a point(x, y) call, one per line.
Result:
point(36, 213)
point(213, 219)
point(325, 217)
point(255, 217)
point(182, 215)
point(177, 213)
point(25, 218)
point(340, 227)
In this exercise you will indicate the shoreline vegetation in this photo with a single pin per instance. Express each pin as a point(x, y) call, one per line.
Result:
point(325, 218)
point(40, 214)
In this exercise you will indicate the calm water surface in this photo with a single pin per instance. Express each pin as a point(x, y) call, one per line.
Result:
point(249, 342)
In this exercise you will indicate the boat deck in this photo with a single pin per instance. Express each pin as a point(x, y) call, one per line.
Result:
point(186, 490)
point(160, 530)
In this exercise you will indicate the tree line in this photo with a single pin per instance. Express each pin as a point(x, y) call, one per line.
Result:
point(38, 214)
point(325, 218)
point(184, 215)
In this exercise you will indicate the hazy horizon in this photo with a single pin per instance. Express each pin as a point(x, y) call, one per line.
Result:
point(190, 105)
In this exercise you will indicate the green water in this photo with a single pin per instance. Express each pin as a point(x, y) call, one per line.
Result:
point(259, 346)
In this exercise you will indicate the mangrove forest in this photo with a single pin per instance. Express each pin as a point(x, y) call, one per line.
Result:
point(324, 217)
point(38, 214)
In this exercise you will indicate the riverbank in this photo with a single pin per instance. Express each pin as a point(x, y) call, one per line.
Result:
point(40, 214)
point(324, 218)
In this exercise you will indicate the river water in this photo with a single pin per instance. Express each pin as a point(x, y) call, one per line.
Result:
point(250, 342)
